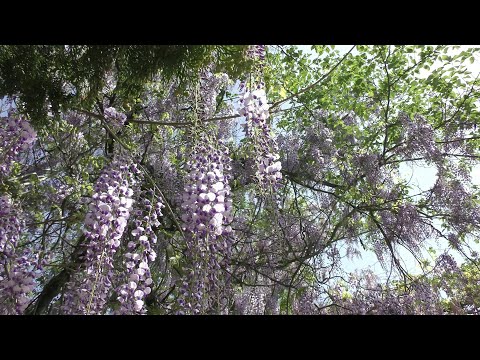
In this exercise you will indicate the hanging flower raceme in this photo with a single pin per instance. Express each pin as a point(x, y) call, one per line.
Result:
point(114, 117)
point(18, 271)
point(140, 253)
point(207, 214)
point(254, 106)
point(251, 301)
point(210, 86)
point(105, 224)
point(206, 199)
point(16, 135)
point(257, 53)
point(10, 226)
point(264, 147)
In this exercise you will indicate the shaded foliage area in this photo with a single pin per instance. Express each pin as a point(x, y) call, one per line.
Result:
point(58, 78)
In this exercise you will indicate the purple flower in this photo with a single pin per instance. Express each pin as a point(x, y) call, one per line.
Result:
point(135, 283)
point(16, 135)
point(18, 269)
point(206, 221)
point(114, 117)
point(105, 223)
point(257, 130)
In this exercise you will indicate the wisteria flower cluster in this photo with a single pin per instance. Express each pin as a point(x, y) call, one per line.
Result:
point(10, 226)
point(304, 304)
point(452, 196)
point(263, 299)
point(257, 53)
point(367, 296)
point(114, 117)
point(16, 135)
point(251, 301)
point(18, 271)
point(405, 226)
point(255, 109)
point(140, 253)
point(210, 85)
point(105, 224)
point(419, 138)
point(254, 106)
point(206, 219)
point(206, 197)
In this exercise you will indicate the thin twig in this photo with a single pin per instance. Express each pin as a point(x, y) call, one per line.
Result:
point(315, 83)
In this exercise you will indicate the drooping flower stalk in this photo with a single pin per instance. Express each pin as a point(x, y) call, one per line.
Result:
point(210, 86)
point(16, 135)
point(114, 117)
point(207, 214)
point(263, 145)
point(105, 224)
point(140, 253)
point(18, 269)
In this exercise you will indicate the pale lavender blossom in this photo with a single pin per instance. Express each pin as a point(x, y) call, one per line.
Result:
point(16, 135)
point(137, 280)
point(114, 117)
point(207, 215)
point(105, 224)
point(18, 269)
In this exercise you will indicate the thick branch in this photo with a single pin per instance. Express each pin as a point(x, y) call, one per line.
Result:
point(53, 287)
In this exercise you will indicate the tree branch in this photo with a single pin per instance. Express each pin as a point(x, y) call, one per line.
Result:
point(53, 287)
